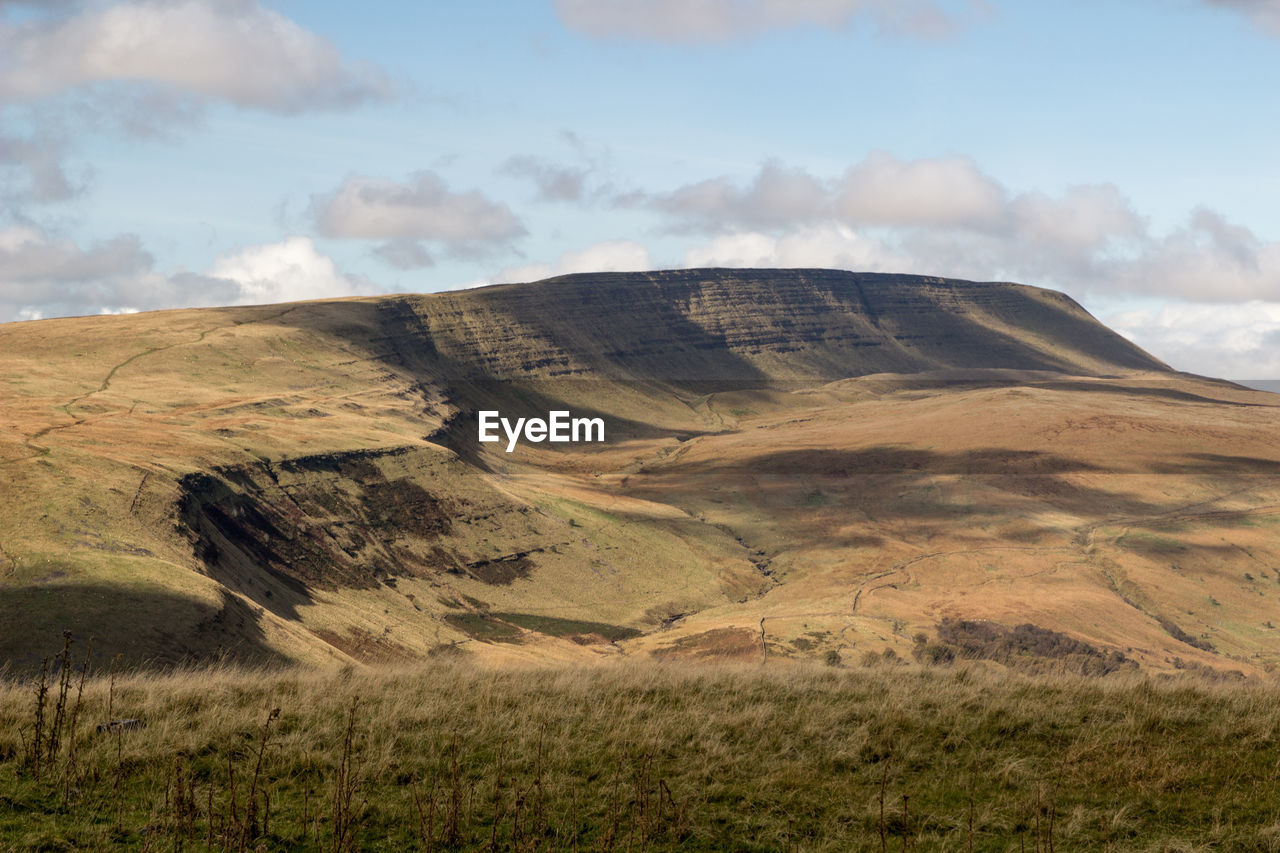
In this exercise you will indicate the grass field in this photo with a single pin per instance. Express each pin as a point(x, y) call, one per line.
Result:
point(788, 756)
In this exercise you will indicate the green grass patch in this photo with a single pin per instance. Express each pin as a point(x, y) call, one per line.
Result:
point(1150, 543)
point(483, 627)
point(557, 627)
point(655, 757)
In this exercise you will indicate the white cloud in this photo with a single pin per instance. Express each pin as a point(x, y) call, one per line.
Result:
point(581, 180)
point(778, 195)
point(608, 256)
point(405, 254)
point(826, 246)
point(945, 216)
point(1235, 341)
point(422, 208)
point(288, 271)
point(1085, 218)
point(43, 275)
point(1074, 241)
point(229, 50)
point(605, 256)
point(146, 67)
point(883, 190)
point(721, 20)
point(880, 190)
point(553, 183)
point(33, 168)
point(1208, 259)
point(28, 254)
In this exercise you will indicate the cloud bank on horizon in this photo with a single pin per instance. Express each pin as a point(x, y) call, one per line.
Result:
point(168, 153)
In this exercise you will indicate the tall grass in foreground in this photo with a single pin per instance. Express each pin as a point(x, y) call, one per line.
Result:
point(640, 757)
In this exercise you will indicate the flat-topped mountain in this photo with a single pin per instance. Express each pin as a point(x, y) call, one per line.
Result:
point(796, 462)
point(730, 324)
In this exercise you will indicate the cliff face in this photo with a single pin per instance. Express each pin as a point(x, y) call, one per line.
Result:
point(722, 324)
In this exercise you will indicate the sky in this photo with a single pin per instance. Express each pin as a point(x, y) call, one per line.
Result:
point(172, 153)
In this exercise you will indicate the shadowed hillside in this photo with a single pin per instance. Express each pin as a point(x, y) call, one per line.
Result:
point(796, 463)
point(725, 325)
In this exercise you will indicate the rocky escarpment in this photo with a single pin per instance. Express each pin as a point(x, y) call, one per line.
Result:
point(722, 324)
point(280, 532)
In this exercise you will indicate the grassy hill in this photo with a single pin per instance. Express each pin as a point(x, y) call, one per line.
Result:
point(799, 463)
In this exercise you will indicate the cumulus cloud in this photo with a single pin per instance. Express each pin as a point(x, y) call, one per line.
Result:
point(880, 190)
point(827, 246)
point(883, 190)
point(422, 208)
point(1264, 14)
point(580, 181)
point(722, 20)
point(1076, 241)
point(287, 271)
point(147, 67)
point(778, 195)
point(405, 254)
point(33, 168)
point(553, 182)
point(929, 215)
point(28, 254)
point(228, 50)
point(946, 216)
point(605, 256)
point(1084, 218)
point(1236, 341)
point(44, 275)
point(1207, 259)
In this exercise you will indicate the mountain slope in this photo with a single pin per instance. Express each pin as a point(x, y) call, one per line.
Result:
point(762, 324)
point(785, 449)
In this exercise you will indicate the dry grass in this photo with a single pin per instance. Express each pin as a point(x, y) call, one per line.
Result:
point(647, 757)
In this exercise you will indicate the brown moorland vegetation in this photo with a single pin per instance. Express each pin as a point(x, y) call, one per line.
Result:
point(799, 463)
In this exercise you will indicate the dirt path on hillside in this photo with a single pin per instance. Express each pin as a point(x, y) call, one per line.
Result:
point(38, 450)
point(1082, 540)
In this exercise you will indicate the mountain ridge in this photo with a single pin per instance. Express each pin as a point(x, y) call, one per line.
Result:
point(805, 323)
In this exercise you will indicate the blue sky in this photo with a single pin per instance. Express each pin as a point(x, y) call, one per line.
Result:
point(164, 153)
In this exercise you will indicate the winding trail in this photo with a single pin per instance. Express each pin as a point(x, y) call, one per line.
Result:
point(38, 450)
point(903, 564)
point(1082, 541)
point(133, 505)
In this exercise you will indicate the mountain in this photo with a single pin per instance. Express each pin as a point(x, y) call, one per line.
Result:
point(795, 462)
point(719, 325)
